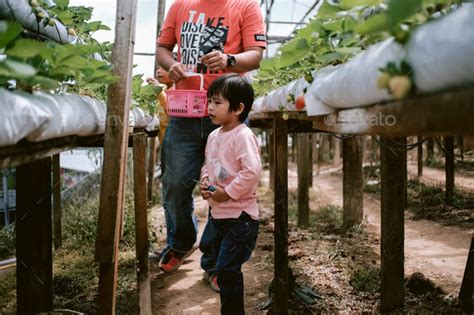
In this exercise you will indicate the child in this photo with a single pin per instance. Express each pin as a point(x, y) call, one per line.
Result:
point(233, 168)
point(163, 78)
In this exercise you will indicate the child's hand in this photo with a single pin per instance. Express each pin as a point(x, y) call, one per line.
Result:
point(152, 81)
point(203, 188)
point(219, 195)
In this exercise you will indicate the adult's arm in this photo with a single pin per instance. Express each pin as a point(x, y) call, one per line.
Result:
point(247, 60)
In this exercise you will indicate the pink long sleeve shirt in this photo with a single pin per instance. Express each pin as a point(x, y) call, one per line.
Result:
point(233, 163)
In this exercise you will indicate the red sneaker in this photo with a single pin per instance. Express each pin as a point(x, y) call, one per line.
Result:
point(213, 284)
point(171, 261)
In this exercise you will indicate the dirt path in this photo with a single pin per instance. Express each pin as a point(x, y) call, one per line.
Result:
point(439, 252)
point(436, 177)
point(185, 291)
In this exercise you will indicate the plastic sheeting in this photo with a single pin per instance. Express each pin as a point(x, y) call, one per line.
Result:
point(442, 52)
point(18, 117)
point(70, 114)
point(21, 11)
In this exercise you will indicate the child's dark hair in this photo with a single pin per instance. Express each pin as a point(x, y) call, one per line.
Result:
point(236, 90)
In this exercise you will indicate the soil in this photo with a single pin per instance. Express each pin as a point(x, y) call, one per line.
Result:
point(340, 266)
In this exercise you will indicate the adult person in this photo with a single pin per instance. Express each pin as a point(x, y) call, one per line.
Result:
point(213, 37)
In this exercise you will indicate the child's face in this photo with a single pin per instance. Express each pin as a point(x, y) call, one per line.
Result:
point(163, 77)
point(219, 112)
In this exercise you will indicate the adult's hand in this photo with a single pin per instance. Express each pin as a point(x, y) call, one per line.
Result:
point(215, 60)
point(177, 72)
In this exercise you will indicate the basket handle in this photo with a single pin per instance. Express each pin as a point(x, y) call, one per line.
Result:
point(193, 74)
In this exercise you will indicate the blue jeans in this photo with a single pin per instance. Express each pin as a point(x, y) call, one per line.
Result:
point(182, 157)
point(233, 243)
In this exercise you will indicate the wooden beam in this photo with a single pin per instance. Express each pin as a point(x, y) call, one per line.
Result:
point(449, 168)
point(303, 179)
point(34, 252)
point(392, 227)
point(141, 223)
point(115, 157)
point(26, 152)
point(353, 181)
point(441, 113)
point(280, 131)
point(57, 209)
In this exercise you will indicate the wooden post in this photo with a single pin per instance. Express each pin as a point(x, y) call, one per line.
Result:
point(337, 152)
point(392, 227)
point(449, 168)
point(429, 151)
point(115, 157)
point(467, 286)
point(353, 181)
point(34, 252)
point(420, 156)
point(317, 153)
point(151, 169)
point(280, 130)
point(310, 161)
point(294, 141)
point(404, 154)
point(141, 223)
point(271, 158)
point(303, 180)
point(57, 209)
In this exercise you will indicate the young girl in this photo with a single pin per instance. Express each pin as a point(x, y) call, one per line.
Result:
point(229, 180)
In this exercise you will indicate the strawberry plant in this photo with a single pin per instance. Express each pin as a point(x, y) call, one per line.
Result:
point(339, 31)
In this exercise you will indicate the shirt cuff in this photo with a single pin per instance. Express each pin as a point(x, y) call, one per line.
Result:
point(234, 194)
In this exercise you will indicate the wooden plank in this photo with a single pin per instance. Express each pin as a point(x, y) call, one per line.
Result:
point(26, 152)
point(441, 113)
point(57, 209)
point(420, 156)
point(280, 130)
point(353, 181)
point(449, 168)
point(271, 158)
point(466, 292)
point(303, 179)
point(115, 156)
point(141, 223)
point(152, 146)
point(34, 252)
point(392, 227)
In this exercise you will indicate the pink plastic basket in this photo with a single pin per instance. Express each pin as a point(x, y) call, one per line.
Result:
point(188, 103)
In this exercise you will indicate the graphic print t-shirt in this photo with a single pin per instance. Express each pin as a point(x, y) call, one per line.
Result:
point(201, 26)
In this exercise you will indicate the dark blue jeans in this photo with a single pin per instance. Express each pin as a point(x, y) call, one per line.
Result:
point(182, 157)
point(233, 243)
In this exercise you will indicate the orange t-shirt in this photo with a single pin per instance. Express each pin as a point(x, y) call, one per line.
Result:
point(201, 26)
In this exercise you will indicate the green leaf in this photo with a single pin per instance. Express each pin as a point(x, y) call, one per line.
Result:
point(12, 30)
point(74, 62)
point(348, 50)
point(66, 17)
point(399, 10)
point(376, 23)
point(327, 11)
point(44, 82)
point(62, 4)
point(293, 52)
point(25, 48)
point(349, 4)
point(20, 70)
